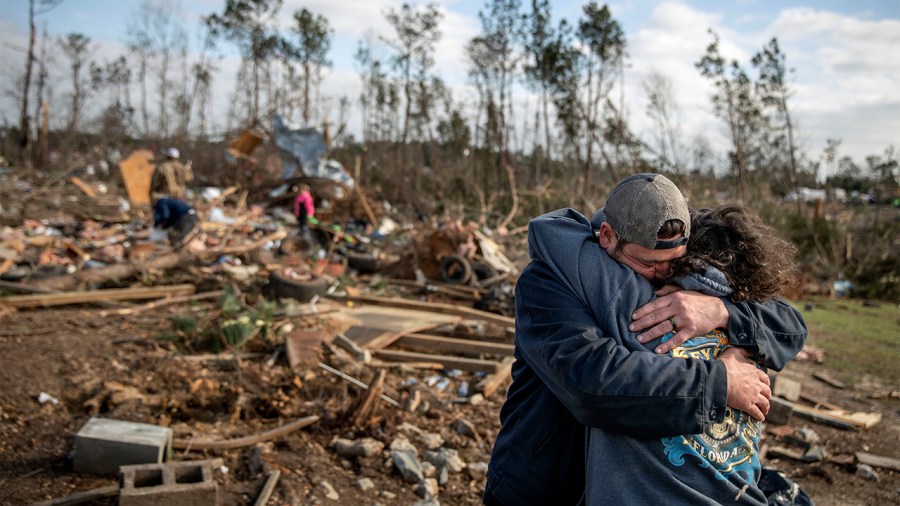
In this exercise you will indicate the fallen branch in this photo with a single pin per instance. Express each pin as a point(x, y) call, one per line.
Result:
point(61, 299)
point(229, 444)
point(164, 302)
point(82, 497)
point(205, 357)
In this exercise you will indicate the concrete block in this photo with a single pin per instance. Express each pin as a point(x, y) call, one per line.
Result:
point(188, 483)
point(786, 388)
point(103, 444)
point(780, 411)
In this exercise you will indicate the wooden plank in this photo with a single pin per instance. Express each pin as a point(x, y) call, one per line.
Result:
point(818, 403)
point(303, 347)
point(268, 488)
point(137, 171)
point(490, 383)
point(839, 418)
point(378, 327)
point(468, 347)
point(84, 187)
point(878, 461)
point(459, 291)
point(821, 376)
point(461, 363)
point(61, 299)
point(432, 307)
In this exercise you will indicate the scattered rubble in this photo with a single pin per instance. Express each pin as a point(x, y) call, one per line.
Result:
point(362, 363)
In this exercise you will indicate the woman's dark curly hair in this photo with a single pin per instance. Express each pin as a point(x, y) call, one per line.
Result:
point(757, 261)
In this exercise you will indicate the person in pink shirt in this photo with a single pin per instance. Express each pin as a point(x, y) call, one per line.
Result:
point(303, 207)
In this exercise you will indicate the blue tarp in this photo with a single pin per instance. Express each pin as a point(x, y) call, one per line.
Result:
point(303, 153)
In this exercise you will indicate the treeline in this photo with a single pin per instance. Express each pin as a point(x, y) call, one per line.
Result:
point(546, 127)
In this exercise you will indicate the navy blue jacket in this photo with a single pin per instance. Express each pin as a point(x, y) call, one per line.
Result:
point(578, 365)
point(167, 212)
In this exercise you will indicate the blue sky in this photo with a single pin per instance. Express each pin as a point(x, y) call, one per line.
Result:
point(846, 53)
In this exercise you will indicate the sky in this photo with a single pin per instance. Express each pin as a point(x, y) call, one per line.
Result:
point(846, 55)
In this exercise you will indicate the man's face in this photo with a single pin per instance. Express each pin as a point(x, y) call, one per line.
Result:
point(652, 264)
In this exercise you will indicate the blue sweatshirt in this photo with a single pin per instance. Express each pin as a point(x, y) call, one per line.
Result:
point(577, 365)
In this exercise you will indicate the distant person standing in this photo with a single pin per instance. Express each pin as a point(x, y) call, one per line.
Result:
point(171, 176)
point(303, 207)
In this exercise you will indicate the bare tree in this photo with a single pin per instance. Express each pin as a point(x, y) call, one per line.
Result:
point(41, 105)
point(774, 91)
point(24, 124)
point(416, 34)
point(604, 40)
point(735, 103)
point(77, 48)
point(141, 47)
point(245, 23)
point(314, 40)
point(663, 110)
point(503, 32)
point(542, 47)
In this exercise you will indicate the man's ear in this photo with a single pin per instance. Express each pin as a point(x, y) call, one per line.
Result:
point(606, 236)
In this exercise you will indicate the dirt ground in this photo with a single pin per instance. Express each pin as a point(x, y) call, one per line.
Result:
point(115, 366)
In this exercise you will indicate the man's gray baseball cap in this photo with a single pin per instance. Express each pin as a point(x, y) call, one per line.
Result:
point(639, 206)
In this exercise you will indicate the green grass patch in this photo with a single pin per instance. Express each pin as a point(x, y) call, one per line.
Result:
point(857, 339)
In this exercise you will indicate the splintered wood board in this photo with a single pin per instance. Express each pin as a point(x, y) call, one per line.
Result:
point(137, 170)
point(379, 326)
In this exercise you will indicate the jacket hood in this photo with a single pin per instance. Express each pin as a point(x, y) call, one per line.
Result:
point(565, 241)
point(709, 280)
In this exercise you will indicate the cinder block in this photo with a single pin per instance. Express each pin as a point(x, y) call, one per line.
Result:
point(787, 388)
point(103, 444)
point(188, 483)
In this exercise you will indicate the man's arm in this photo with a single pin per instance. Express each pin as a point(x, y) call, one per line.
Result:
point(600, 380)
point(772, 331)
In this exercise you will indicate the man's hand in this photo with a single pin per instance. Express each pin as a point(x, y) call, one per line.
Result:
point(692, 313)
point(748, 387)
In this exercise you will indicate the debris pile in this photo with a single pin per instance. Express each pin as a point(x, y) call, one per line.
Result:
point(373, 346)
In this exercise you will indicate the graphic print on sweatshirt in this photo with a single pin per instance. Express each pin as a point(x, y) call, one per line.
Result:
point(726, 448)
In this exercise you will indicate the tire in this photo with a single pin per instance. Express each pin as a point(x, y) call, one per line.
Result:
point(363, 262)
point(483, 271)
point(456, 269)
point(283, 287)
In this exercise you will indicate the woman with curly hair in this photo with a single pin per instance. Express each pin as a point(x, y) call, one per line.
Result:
point(730, 253)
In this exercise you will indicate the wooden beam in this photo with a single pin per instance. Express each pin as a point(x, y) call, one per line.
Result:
point(268, 488)
point(61, 299)
point(839, 418)
point(433, 307)
point(464, 364)
point(490, 383)
point(468, 347)
point(84, 187)
point(878, 461)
